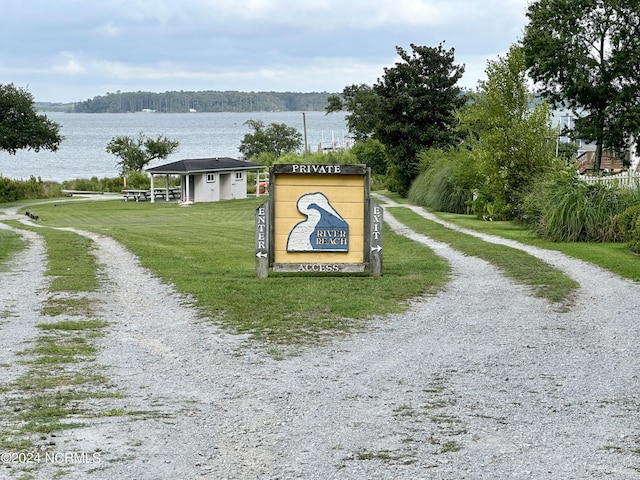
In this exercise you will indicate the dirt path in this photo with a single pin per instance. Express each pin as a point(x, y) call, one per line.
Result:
point(482, 381)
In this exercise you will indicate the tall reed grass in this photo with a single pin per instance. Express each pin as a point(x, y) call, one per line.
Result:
point(562, 208)
point(447, 183)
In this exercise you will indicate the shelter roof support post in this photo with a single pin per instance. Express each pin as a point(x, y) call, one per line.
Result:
point(166, 186)
point(153, 197)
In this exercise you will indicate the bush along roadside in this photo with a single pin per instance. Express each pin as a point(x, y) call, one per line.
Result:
point(13, 190)
point(563, 208)
point(630, 225)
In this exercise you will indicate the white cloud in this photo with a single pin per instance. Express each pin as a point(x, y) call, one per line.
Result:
point(69, 65)
point(67, 46)
point(108, 30)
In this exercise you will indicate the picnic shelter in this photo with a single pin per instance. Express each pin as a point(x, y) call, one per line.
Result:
point(208, 179)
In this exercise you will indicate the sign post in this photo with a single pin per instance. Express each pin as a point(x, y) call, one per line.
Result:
point(319, 219)
point(262, 240)
point(375, 232)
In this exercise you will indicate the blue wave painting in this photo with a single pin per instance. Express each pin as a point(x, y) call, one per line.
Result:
point(323, 230)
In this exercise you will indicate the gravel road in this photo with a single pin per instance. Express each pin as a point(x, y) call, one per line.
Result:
point(482, 381)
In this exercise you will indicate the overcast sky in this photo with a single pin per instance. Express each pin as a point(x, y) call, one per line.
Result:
point(69, 50)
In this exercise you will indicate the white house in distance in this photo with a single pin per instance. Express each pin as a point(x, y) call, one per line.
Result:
point(208, 179)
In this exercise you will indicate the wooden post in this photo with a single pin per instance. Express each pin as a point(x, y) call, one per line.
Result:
point(375, 239)
point(262, 240)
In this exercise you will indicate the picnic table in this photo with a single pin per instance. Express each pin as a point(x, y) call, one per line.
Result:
point(136, 194)
point(142, 194)
point(162, 192)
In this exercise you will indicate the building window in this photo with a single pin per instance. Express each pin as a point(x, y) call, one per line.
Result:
point(211, 177)
point(238, 175)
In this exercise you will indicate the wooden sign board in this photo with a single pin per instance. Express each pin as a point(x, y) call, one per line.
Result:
point(319, 219)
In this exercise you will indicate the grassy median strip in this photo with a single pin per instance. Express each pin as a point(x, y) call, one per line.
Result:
point(546, 281)
point(73, 269)
point(52, 393)
point(61, 375)
point(207, 251)
point(70, 262)
point(614, 257)
point(10, 245)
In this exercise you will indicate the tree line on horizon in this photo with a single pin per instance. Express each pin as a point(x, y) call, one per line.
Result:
point(203, 101)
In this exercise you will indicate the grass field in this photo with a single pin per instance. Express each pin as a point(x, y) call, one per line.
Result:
point(207, 250)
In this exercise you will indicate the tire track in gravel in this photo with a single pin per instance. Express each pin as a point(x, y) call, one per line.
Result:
point(563, 394)
point(22, 293)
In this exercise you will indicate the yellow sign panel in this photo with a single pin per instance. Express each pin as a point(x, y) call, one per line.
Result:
point(318, 220)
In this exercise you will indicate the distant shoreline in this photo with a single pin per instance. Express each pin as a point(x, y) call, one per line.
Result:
point(194, 102)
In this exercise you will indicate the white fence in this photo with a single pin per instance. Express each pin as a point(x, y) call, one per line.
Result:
point(624, 179)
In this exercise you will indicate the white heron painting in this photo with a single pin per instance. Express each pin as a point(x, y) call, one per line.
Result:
point(324, 229)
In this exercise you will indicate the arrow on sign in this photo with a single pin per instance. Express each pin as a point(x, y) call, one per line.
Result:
point(376, 248)
point(261, 255)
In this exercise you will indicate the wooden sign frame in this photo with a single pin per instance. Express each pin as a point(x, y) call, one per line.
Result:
point(319, 219)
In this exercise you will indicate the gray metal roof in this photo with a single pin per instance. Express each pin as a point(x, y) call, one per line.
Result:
point(203, 165)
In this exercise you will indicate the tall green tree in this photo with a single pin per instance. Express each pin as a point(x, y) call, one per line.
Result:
point(363, 105)
point(585, 55)
point(409, 109)
point(20, 125)
point(275, 139)
point(418, 96)
point(516, 143)
point(136, 153)
point(371, 153)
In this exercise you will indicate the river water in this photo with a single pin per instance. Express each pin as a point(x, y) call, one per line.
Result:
point(82, 153)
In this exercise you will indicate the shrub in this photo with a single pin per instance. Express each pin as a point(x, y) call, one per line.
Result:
point(633, 238)
point(565, 208)
point(94, 184)
point(117, 184)
point(371, 153)
point(8, 190)
point(630, 225)
point(12, 190)
point(138, 180)
point(629, 219)
point(487, 206)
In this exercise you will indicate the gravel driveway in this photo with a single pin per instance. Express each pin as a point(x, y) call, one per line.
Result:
point(482, 381)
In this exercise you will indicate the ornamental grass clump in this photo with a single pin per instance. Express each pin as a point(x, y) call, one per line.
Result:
point(447, 182)
point(567, 209)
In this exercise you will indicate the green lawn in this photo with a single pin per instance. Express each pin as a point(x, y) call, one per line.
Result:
point(207, 250)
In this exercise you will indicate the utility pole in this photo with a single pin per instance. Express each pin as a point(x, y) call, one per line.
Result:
point(306, 149)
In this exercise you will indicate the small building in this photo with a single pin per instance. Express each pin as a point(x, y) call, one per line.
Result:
point(208, 179)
